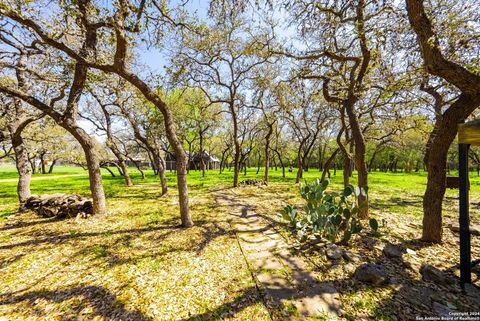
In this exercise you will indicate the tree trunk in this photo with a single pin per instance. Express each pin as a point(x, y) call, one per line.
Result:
point(436, 164)
point(183, 189)
point(42, 163)
point(162, 174)
point(137, 166)
point(202, 160)
point(259, 163)
point(126, 175)
point(281, 162)
point(105, 166)
point(360, 163)
point(50, 170)
point(121, 166)
point(346, 169)
point(236, 163)
point(328, 164)
point(93, 164)
point(300, 167)
point(23, 167)
point(267, 152)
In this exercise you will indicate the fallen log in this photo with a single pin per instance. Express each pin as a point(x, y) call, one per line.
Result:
point(253, 182)
point(60, 205)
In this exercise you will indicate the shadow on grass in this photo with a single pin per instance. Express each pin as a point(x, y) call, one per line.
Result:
point(25, 224)
point(72, 236)
point(104, 303)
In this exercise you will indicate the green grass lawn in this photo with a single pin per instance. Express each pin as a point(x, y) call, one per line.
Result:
point(137, 264)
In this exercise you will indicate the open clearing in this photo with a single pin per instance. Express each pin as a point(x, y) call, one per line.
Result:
point(138, 264)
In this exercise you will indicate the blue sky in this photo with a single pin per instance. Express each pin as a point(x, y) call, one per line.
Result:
point(154, 58)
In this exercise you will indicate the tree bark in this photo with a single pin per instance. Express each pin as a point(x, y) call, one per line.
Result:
point(162, 173)
point(236, 143)
point(23, 166)
point(437, 162)
point(50, 170)
point(328, 164)
point(299, 165)
point(360, 149)
point(267, 151)
point(440, 139)
point(281, 162)
point(202, 160)
point(93, 165)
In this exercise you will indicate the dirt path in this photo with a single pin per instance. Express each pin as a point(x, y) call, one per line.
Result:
point(286, 280)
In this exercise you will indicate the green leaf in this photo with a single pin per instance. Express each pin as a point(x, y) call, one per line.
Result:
point(346, 236)
point(336, 220)
point(373, 224)
point(348, 190)
point(325, 183)
point(346, 213)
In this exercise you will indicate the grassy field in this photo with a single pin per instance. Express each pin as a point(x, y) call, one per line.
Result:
point(396, 192)
point(137, 264)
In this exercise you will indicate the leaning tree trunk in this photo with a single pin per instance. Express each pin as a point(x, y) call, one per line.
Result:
point(281, 162)
point(126, 175)
point(93, 164)
point(120, 159)
point(137, 165)
point(436, 163)
point(328, 164)
point(50, 170)
point(360, 163)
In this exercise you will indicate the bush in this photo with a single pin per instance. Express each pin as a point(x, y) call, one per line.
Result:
point(327, 214)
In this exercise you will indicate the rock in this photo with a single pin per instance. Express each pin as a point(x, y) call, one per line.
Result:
point(432, 274)
point(392, 251)
point(369, 243)
point(60, 205)
point(371, 273)
point(349, 268)
point(333, 252)
point(351, 257)
point(411, 252)
point(419, 295)
point(473, 292)
point(474, 230)
point(441, 310)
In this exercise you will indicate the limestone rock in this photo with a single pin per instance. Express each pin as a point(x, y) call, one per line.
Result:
point(432, 274)
point(351, 257)
point(333, 252)
point(392, 251)
point(371, 273)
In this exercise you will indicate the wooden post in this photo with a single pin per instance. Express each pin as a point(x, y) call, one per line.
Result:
point(463, 219)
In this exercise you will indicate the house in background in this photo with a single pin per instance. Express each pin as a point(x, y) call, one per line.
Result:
point(211, 162)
